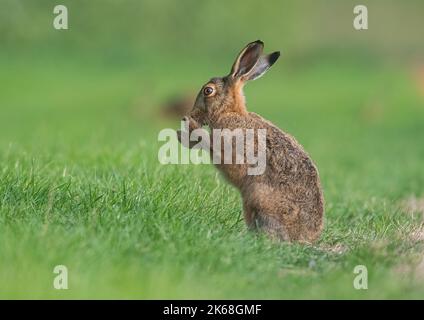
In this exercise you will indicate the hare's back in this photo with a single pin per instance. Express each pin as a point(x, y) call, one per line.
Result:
point(286, 157)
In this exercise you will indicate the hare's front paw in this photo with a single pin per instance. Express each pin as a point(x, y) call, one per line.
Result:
point(192, 134)
point(190, 124)
point(181, 140)
point(184, 139)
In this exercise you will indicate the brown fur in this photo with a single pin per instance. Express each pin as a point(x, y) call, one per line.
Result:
point(286, 201)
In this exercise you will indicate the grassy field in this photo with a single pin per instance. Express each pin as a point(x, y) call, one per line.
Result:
point(81, 186)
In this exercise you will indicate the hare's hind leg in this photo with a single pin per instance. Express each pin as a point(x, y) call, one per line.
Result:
point(273, 227)
point(249, 216)
point(259, 221)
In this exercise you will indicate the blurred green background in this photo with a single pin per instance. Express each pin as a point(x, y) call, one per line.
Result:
point(80, 183)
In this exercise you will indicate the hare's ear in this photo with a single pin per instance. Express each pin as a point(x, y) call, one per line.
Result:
point(264, 63)
point(247, 59)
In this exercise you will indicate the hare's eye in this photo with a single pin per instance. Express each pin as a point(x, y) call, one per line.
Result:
point(207, 91)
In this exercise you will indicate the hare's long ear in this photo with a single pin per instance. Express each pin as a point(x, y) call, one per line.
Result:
point(247, 59)
point(264, 63)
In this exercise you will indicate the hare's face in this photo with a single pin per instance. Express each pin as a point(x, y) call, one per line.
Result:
point(224, 95)
point(213, 97)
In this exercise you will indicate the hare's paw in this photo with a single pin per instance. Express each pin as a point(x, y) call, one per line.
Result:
point(182, 138)
point(190, 124)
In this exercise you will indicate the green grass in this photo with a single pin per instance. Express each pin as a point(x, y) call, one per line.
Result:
point(81, 186)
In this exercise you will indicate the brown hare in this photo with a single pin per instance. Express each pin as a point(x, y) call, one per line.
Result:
point(286, 200)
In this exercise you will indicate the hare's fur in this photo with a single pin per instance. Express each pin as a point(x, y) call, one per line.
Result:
point(285, 201)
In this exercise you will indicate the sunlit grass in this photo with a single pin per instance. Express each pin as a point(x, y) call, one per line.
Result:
point(80, 185)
